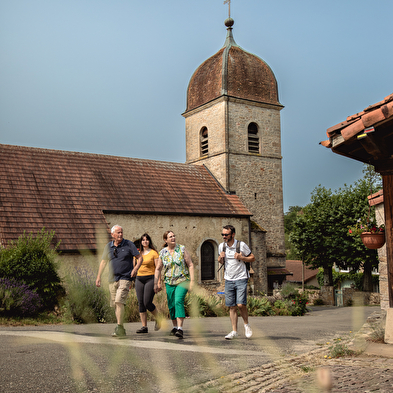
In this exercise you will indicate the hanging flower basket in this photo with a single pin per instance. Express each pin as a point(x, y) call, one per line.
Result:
point(372, 234)
point(373, 240)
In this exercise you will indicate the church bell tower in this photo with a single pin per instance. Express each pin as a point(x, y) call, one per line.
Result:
point(233, 128)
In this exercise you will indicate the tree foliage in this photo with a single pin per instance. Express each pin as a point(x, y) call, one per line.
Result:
point(289, 219)
point(320, 234)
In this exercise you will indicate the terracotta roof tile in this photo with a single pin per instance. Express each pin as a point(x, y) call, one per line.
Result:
point(376, 198)
point(372, 115)
point(366, 136)
point(69, 192)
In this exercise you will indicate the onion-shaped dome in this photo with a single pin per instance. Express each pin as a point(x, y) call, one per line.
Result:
point(232, 72)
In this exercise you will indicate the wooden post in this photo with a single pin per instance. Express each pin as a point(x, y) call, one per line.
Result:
point(388, 206)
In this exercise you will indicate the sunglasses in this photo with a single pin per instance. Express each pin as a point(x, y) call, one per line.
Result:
point(226, 234)
point(115, 252)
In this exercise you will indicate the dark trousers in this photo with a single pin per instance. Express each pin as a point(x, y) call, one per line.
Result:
point(144, 287)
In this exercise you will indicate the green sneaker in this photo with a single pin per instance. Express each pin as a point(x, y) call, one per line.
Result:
point(119, 331)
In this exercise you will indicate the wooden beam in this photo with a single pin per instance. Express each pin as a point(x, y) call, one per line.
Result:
point(373, 147)
point(384, 167)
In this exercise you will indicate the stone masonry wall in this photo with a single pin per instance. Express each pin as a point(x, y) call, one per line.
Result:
point(383, 266)
point(256, 178)
point(259, 278)
point(212, 117)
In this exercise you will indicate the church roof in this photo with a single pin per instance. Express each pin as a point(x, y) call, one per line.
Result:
point(232, 72)
point(69, 192)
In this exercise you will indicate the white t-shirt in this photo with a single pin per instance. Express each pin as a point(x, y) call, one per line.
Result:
point(235, 269)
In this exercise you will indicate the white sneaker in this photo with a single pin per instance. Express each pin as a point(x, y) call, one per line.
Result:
point(247, 331)
point(231, 335)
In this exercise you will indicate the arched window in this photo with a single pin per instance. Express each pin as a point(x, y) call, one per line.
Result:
point(204, 141)
point(253, 138)
point(207, 261)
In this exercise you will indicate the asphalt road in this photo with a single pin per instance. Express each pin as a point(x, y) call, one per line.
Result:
point(85, 358)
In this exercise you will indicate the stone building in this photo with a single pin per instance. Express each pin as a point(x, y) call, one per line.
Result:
point(232, 175)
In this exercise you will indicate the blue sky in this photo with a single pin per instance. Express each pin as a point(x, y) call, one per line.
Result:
point(110, 77)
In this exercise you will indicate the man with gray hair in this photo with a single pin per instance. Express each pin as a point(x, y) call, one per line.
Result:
point(120, 253)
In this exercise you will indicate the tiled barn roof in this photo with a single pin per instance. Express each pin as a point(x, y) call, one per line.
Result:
point(69, 192)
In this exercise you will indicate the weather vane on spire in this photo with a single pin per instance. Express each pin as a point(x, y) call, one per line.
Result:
point(229, 7)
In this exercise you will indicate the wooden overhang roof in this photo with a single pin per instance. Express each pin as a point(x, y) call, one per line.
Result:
point(278, 271)
point(70, 192)
point(366, 136)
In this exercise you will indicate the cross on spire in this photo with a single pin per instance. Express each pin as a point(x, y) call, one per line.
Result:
point(229, 7)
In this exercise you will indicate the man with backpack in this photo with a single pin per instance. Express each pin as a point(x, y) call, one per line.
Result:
point(235, 255)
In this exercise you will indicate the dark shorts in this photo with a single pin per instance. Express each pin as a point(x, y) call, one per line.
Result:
point(236, 292)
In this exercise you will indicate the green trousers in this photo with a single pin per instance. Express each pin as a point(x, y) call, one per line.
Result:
point(175, 297)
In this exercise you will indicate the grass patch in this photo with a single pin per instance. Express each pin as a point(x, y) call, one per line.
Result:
point(340, 349)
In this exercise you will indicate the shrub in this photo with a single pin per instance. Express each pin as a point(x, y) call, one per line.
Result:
point(281, 307)
point(85, 302)
point(297, 302)
point(17, 299)
point(311, 287)
point(31, 260)
point(199, 305)
point(288, 290)
point(298, 305)
point(259, 306)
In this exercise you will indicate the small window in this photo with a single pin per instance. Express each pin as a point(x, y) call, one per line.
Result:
point(204, 142)
point(207, 261)
point(253, 138)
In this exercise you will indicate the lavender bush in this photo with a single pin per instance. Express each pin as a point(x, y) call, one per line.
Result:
point(85, 302)
point(17, 299)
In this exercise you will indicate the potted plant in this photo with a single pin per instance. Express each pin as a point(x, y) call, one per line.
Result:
point(372, 235)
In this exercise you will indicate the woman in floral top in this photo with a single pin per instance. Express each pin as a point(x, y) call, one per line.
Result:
point(178, 278)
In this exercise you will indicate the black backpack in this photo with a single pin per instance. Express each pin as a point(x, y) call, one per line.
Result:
point(248, 264)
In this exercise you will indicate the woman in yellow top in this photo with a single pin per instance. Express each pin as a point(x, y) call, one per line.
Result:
point(144, 283)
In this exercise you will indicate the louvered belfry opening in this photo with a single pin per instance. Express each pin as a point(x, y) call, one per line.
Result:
point(253, 138)
point(204, 142)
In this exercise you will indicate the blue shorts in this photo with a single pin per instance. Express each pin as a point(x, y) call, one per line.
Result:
point(236, 292)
